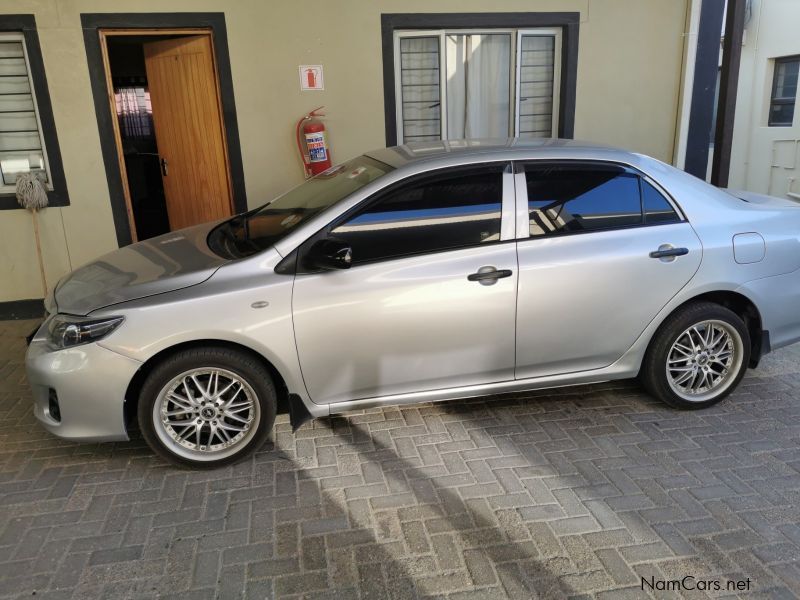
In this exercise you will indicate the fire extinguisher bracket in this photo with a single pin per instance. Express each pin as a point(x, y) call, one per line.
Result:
point(312, 143)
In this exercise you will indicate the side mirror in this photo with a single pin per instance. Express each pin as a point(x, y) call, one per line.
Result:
point(328, 254)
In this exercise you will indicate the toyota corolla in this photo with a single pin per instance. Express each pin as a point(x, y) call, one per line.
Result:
point(415, 274)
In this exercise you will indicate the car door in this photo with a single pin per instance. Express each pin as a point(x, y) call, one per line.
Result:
point(588, 282)
point(429, 300)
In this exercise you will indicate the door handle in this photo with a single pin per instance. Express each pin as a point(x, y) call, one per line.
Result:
point(489, 275)
point(667, 251)
point(163, 163)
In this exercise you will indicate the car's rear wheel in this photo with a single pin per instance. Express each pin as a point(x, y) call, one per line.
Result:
point(207, 407)
point(697, 357)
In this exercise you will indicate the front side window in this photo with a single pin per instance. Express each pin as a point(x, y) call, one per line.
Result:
point(21, 145)
point(444, 211)
point(784, 92)
point(493, 83)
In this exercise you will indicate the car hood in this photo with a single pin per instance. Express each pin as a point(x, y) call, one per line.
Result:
point(162, 264)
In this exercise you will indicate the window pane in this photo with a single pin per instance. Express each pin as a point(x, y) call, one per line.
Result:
point(566, 198)
point(14, 163)
point(781, 114)
point(419, 89)
point(18, 121)
point(784, 93)
point(452, 211)
point(14, 96)
point(786, 79)
point(10, 49)
point(20, 139)
point(536, 76)
point(657, 209)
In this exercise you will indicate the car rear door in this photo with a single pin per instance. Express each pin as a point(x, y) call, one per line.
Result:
point(601, 251)
point(429, 301)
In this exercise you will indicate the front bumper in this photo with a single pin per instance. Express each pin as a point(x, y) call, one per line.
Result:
point(90, 384)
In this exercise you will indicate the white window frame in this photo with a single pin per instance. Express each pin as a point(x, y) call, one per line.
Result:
point(398, 79)
point(14, 36)
point(556, 33)
point(514, 75)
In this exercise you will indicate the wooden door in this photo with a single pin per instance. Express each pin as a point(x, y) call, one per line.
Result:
point(189, 129)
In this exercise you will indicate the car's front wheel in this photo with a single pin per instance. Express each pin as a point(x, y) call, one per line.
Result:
point(697, 357)
point(207, 407)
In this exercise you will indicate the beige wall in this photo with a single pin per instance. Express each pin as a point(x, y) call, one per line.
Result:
point(766, 159)
point(629, 68)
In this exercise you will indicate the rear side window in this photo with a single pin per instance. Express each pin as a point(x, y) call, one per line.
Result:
point(456, 209)
point(567, 198)
point(657, 208)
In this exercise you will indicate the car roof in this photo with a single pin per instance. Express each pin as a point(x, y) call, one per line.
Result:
point(418, 153)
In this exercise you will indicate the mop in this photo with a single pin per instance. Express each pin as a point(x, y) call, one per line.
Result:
point(32, 195)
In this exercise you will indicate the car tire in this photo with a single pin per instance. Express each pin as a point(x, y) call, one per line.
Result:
point(207, 407)
point(697, 357)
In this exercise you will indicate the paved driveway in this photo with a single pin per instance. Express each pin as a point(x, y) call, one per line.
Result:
point(550, 494)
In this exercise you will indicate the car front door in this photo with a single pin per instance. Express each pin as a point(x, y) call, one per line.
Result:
point(589, 284)
point(429, 300)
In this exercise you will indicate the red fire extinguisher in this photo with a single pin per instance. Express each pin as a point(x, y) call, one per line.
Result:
point(313, 144)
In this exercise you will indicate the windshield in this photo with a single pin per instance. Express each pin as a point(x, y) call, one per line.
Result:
point(257, 230)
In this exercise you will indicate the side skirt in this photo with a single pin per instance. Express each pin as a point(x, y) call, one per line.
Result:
point(617, 371)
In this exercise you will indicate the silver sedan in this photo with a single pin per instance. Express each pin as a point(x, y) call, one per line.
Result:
point(415, 274)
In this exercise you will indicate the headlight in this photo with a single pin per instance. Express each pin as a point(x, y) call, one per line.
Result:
point(64, 331)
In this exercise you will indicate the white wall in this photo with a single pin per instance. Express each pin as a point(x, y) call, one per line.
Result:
point(766, 159)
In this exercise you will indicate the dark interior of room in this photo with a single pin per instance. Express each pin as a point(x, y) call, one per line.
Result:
point(139, 148)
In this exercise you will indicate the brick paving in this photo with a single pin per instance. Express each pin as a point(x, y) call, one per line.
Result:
point(578, 492)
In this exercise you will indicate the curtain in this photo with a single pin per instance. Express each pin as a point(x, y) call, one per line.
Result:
point(134, 111)
point(456, 52)
point(478, 85)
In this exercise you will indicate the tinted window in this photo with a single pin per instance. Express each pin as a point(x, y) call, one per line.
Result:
point(657, 209)
point(456, 210)
point(564, 198)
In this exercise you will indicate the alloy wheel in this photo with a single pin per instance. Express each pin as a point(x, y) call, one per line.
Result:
point(704, 360)
point(206, 414)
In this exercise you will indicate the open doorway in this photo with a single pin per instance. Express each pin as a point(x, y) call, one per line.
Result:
point(168, 128)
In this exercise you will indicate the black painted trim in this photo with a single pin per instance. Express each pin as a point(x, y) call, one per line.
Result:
point(91, 23)
point(58, 196)
point(22, 309)
point(701, 110)
point(728, 88)
point(569, 22)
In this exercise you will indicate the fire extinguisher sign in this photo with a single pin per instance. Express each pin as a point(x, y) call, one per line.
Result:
point(311, 77)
